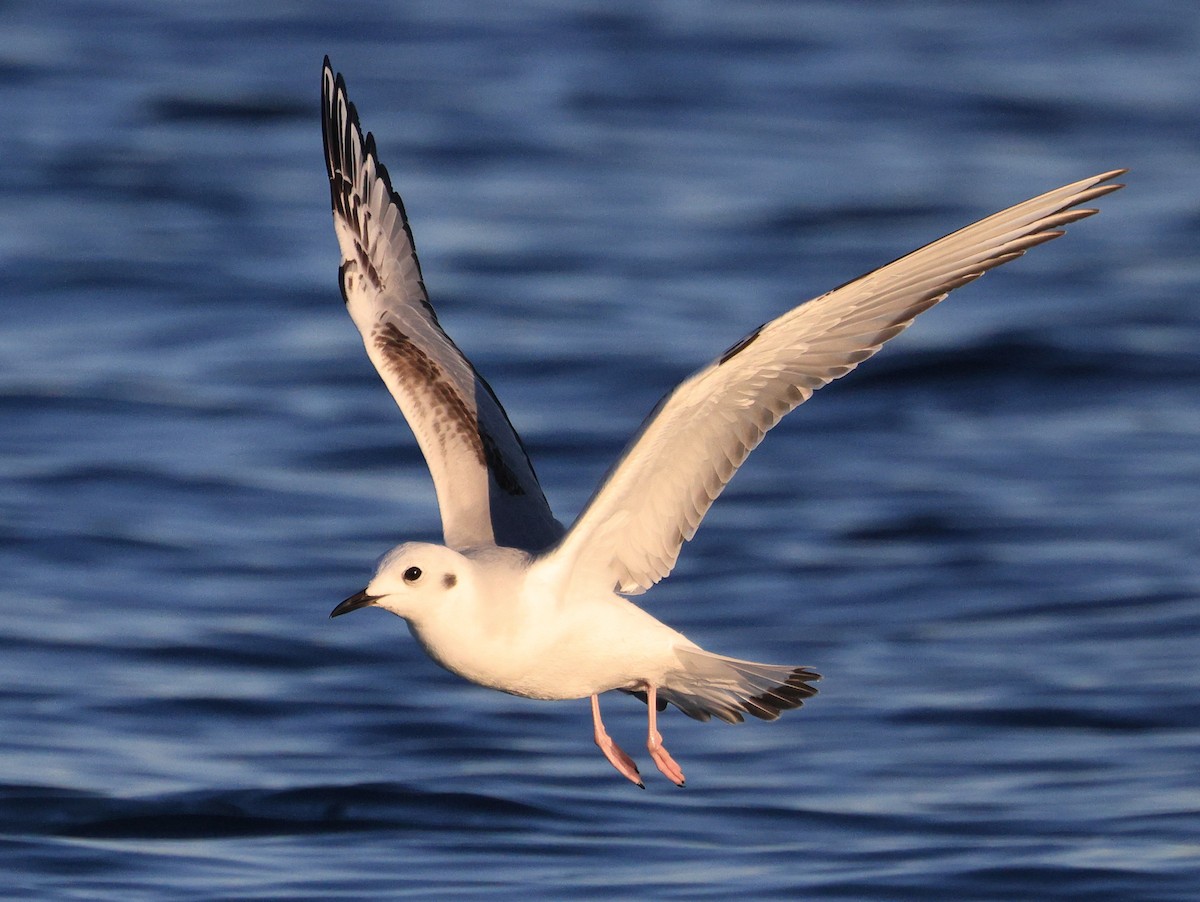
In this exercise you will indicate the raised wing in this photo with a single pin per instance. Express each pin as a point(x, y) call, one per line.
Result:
point(486, 488)
point(631, 531)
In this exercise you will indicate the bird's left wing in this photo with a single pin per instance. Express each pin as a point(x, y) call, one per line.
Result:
point(631, 531)
point(485, 484)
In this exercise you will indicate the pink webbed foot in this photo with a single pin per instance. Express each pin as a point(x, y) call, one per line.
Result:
point(662, 758)
point(664, 761)
point(614, 753)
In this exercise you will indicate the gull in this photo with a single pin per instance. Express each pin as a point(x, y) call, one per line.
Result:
point(513, 601)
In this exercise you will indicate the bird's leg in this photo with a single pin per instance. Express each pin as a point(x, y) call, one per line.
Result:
point(613, 752)
point(661, 757)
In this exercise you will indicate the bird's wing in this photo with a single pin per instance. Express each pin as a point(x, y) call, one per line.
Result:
point(486, 488)
point(631, 531)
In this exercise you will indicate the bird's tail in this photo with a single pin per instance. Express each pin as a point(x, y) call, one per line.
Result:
point(709, 685)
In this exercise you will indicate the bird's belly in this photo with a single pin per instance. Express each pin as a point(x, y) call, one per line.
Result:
point(567, 663)
point(554, 672)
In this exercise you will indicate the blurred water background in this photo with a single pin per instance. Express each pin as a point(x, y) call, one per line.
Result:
point(987, 539)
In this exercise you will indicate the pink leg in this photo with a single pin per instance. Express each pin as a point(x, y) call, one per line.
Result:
point(613, 752)
point(665, 762)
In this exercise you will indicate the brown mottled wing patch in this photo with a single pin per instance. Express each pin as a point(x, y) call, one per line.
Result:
point(438, 402)
point(436, 398)
point(486, 487)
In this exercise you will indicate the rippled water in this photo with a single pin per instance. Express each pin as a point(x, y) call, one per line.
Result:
point(986, 539)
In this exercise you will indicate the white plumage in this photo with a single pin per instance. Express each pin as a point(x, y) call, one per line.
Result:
point(513, 602)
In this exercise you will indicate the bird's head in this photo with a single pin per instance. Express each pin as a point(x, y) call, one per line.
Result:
point(414, 581)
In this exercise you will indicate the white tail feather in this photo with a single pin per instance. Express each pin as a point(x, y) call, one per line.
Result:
point(715, 686)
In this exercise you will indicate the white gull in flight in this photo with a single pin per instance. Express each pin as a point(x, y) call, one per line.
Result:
point(515, 602)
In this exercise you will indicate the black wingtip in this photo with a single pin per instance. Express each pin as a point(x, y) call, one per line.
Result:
point(335, 152)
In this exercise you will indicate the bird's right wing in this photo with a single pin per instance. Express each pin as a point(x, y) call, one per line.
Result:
point(486, 488)
point(633, 528)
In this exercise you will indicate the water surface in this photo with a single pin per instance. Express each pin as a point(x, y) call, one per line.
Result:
point(986, 539)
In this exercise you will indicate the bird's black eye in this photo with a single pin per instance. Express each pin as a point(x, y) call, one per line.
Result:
point(412, 574)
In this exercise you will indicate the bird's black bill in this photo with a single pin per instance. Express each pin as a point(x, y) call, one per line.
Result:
point(353, 603)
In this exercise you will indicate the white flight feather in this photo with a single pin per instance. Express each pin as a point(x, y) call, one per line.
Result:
point(632, 530)
point(486, 488)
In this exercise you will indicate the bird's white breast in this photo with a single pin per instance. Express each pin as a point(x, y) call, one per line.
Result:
point(520, 636)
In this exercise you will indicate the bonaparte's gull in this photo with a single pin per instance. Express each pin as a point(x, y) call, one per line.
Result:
point(514, 601)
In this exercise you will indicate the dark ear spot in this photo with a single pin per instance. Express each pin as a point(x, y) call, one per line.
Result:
point(449, 580)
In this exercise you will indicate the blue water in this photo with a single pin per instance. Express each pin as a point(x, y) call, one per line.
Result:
point(987, 539)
